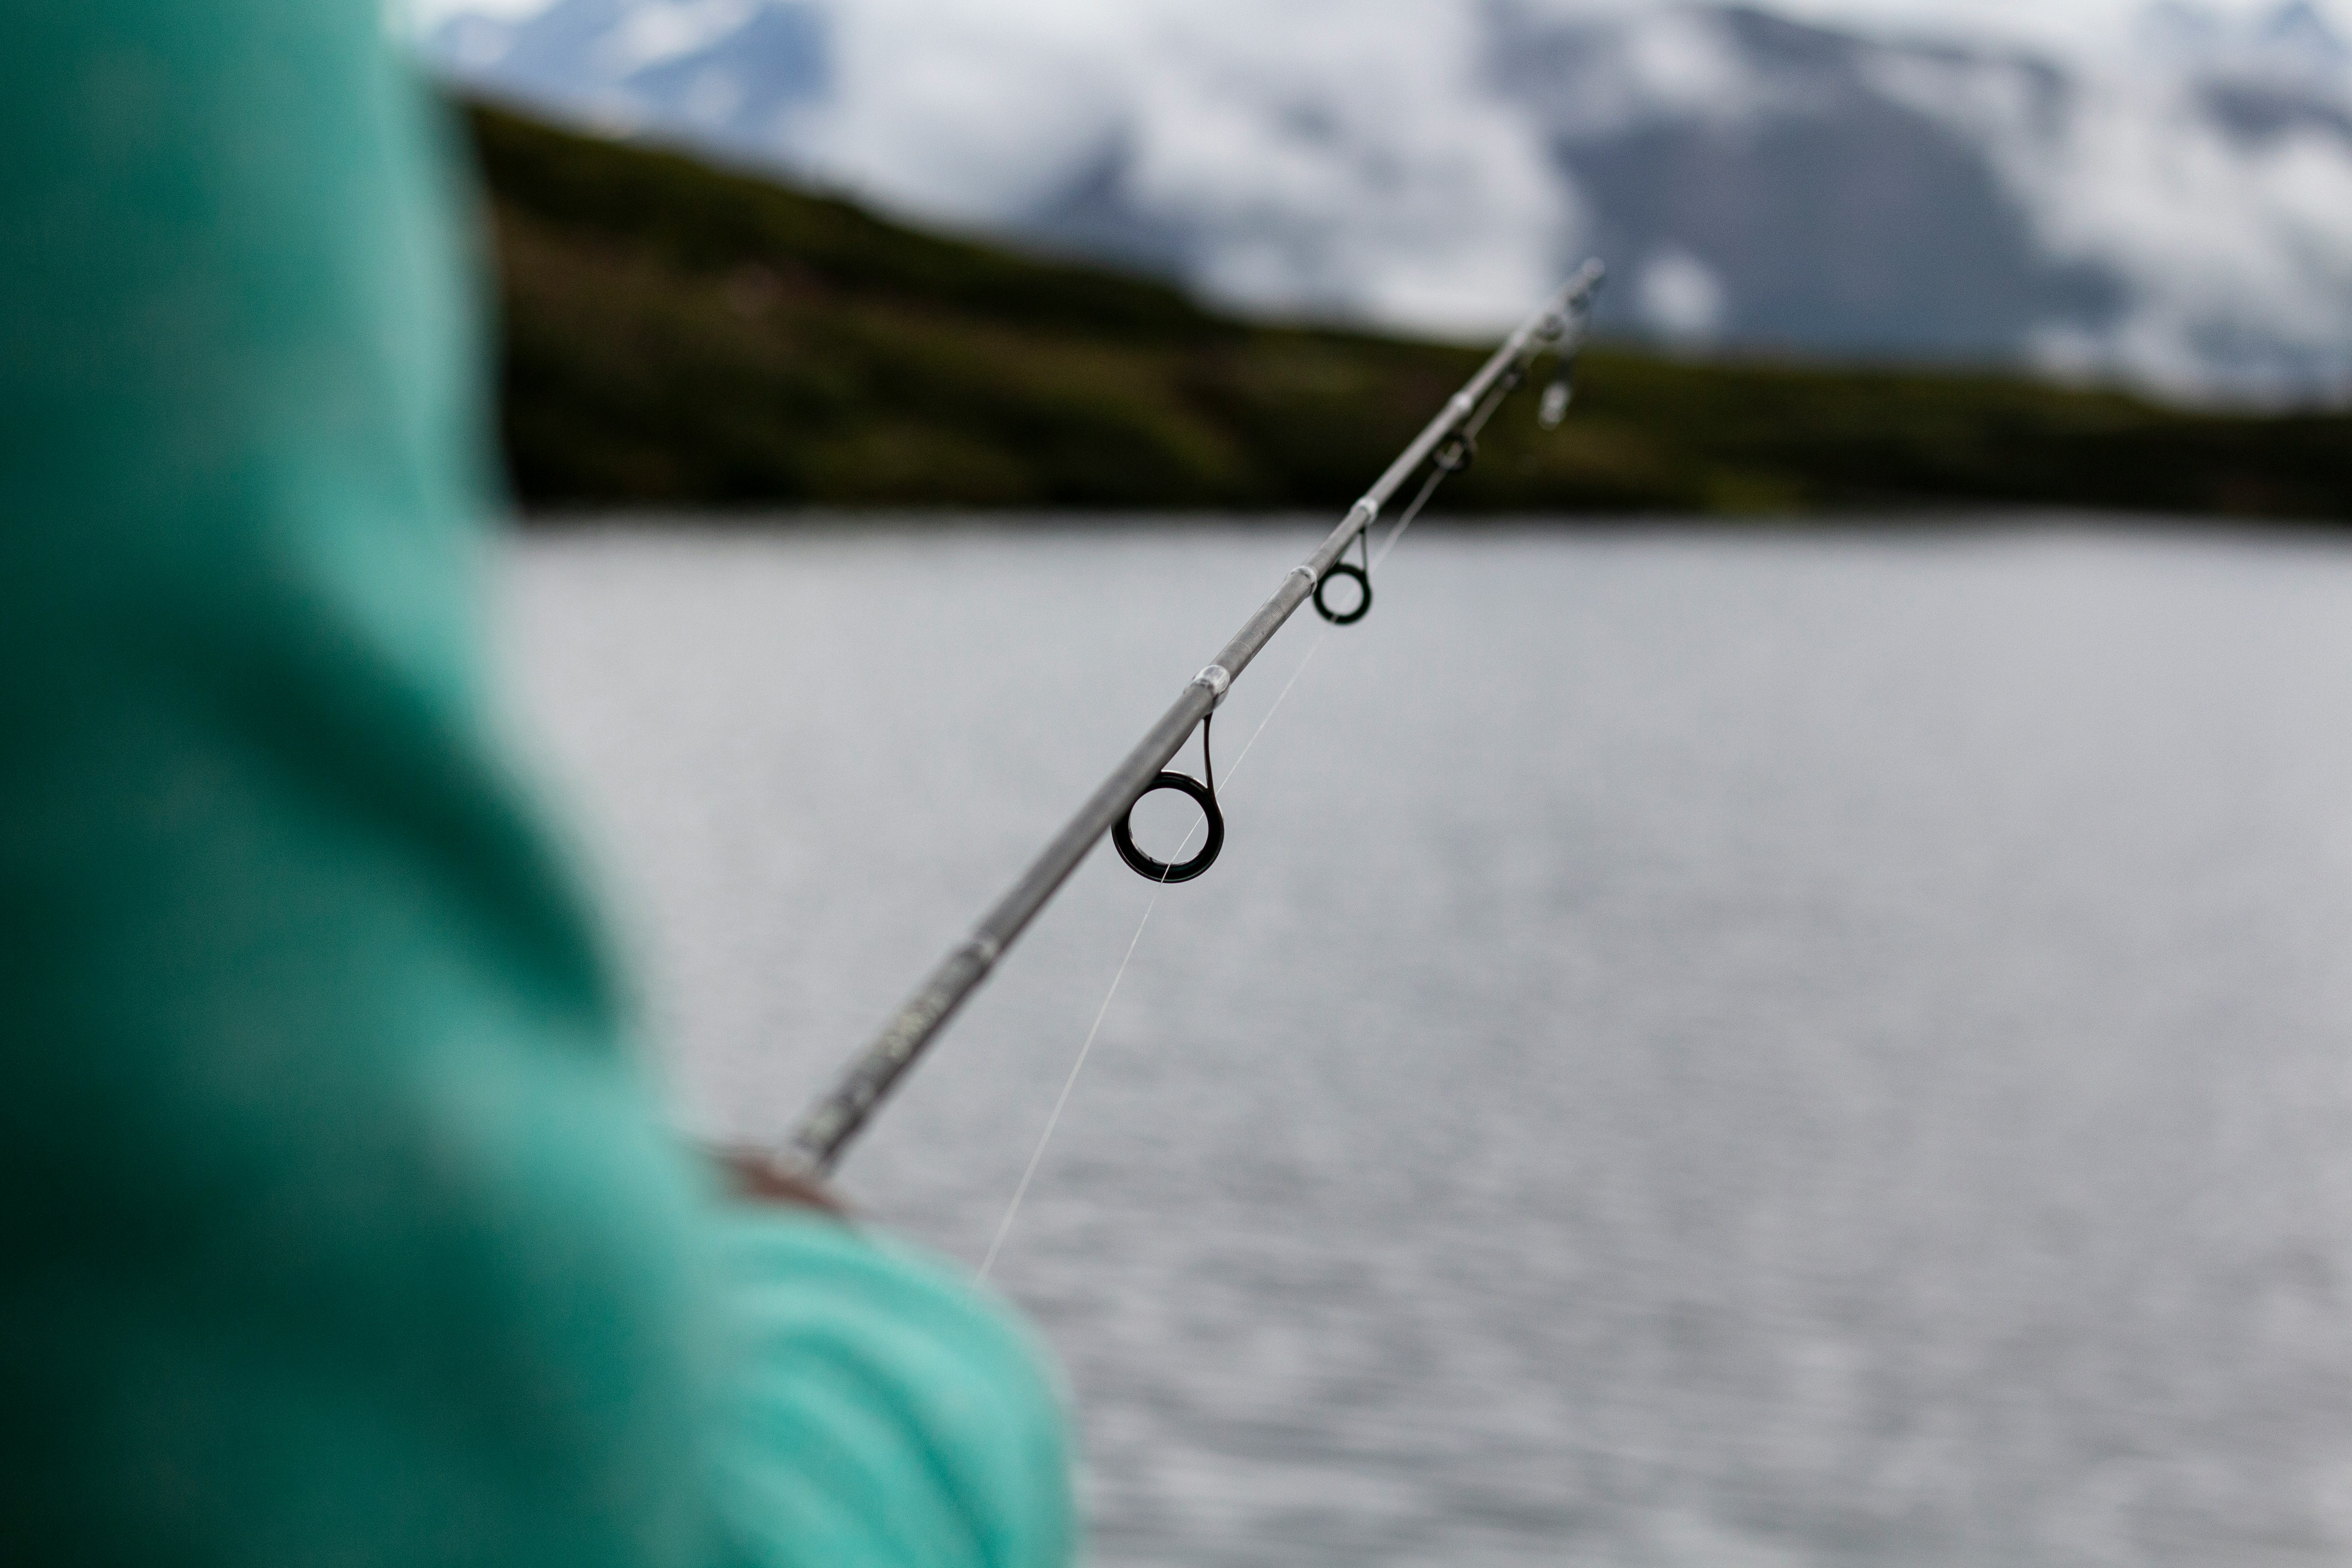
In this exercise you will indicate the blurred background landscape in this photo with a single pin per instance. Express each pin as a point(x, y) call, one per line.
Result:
point(2096, 255)
point(1708, 1047)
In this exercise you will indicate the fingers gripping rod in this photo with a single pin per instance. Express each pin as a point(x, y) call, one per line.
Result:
point(816, 1144)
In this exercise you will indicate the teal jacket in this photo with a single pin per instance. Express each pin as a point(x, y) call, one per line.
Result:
point(338, 1226)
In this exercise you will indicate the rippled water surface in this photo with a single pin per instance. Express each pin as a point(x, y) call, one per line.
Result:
point(1700, 1050)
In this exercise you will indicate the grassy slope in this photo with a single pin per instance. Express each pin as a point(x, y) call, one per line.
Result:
point(679, 334)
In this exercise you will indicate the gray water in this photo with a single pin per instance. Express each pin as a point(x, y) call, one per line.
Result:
point(1701, 1050)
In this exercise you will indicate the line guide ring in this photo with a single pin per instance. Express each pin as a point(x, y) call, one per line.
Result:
point(1363, 576)
point(1204, 795)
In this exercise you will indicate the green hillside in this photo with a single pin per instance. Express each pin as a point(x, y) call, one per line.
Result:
point(679, 334)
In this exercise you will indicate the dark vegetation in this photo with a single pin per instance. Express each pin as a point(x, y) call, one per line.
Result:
point(675, 334)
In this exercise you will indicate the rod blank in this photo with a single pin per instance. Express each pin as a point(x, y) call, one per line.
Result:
point(816, 1144)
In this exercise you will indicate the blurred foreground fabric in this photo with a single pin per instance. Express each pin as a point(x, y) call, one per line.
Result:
point(343, 1229)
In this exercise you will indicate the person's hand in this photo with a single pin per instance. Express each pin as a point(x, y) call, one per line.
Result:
point(755, 1177)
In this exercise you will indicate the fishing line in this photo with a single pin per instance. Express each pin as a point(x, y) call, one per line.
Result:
point(1428, 489)
point(1004, 1226)
point(1029, 1171)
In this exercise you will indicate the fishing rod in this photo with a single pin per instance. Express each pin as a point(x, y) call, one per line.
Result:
point(1448, 443)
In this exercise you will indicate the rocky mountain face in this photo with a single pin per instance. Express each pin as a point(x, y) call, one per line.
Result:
point(2173, 209)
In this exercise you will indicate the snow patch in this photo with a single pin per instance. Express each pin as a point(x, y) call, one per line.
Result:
point(1680, 297)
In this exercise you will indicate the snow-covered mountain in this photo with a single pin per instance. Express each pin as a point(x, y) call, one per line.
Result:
point(2171, 204)
point(734, 72)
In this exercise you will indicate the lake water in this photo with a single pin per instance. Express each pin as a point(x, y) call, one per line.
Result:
point(1701, 1048)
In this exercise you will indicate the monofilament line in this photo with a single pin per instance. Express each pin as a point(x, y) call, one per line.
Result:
point(1004, 1226)
point(1036, 1155)
point(1029, 1172)
point(1428, 489)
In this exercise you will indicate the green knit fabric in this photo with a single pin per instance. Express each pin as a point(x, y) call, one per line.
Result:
point(339, 1228)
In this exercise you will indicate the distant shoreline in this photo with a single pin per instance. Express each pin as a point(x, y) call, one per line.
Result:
point(1925, 521)
point(679, 335)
